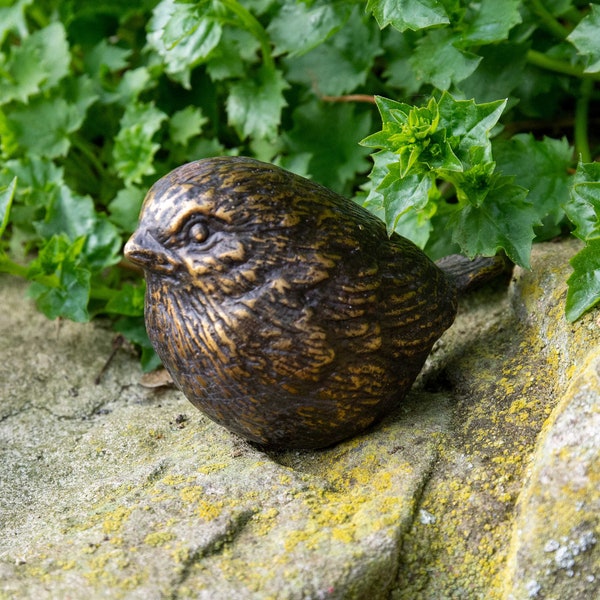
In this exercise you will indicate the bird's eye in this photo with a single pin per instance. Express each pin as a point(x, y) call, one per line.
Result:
point(197, 232)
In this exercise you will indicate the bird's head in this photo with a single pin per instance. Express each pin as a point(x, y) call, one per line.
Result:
point(229, 224)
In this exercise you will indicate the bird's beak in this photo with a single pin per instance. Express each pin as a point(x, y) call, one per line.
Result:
point(145, 251)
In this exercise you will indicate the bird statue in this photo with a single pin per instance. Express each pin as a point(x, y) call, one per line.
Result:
point(282, 310)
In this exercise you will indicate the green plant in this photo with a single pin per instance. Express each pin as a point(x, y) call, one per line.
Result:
point(485, 141)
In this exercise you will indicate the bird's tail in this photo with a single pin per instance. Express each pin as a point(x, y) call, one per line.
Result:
point(471, 273)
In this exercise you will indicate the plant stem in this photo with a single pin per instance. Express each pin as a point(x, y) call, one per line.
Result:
point(85, 148)
point(582, 144)
point(539, 59)
point(548, 20)
point(250, 23)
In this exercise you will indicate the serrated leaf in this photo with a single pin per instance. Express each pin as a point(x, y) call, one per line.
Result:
point(492, 226)
point(492, 21)
point(39, 63)
point(470, 124)
point(586, 39)
point(299, 27)
point(134, 149)
point(185, 124)
point(438, 61)
point(254, 105)
point(583, 208)
point(183, 35)
point(407, 14)
point(584, 283)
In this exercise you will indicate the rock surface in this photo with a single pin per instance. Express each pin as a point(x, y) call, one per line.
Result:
point(484, 484)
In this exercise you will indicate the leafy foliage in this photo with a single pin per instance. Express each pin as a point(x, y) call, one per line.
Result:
point(484, 143)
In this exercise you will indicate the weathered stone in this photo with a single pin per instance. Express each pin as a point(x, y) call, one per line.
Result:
point(485, 484)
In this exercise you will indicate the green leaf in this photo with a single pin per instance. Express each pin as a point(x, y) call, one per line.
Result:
point(74, 217)
point(438, 61)
point(584, 283)
point(44, 126)
point(39, 63)
point(12, 19)
point(583, 208)
point(323, 133)
point(585, 37)
point(407, 14)
point(492, 226)
point(544, 173)
point(237, 49)
point(185, 124)
point(254, 105)
point(299, 27)
point(6, 198)
point(133, 329)
point(128, 301)
point(183, 35)
point(342, 63)
point(134, 149)
point(498, 74)
point(125, 207)
point(492, 21)
point(68, 294)
point(471, 124)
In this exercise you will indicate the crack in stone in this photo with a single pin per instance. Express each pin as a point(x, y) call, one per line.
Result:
point(236, 525)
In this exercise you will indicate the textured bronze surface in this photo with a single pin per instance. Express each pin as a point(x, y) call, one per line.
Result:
point(282, 310)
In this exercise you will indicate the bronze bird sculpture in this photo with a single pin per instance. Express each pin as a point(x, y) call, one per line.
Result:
point(282, 310)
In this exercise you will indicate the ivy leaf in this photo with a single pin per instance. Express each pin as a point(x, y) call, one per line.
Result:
point(584, 283)
point(586, 39)
point(299, 27)
point(492, 226)
point(438, 61)
point(405, 14)
point(254, 105)
point(134, 149)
